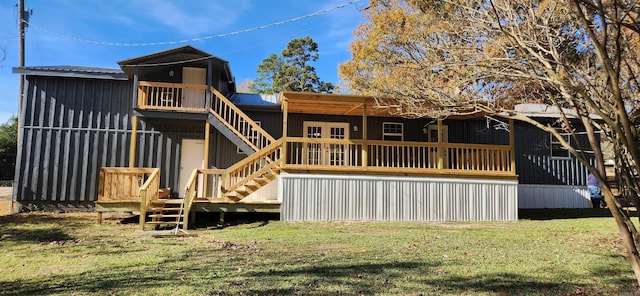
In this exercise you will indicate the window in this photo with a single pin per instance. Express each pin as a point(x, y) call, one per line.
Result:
point(557, 151)
point(392, 131)
point(252, 137)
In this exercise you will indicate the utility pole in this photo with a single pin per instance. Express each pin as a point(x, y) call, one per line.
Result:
point(23, 16)
point(21, 34)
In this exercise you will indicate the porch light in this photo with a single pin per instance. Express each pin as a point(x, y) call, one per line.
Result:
point(171, 73)
point(425, 130)
point(355, 128)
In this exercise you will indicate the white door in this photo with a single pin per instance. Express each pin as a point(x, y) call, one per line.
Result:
point(191, 158)
point(192, 97)
point(326, 154)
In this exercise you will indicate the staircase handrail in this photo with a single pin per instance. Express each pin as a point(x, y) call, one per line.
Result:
point(234, 125)
point(148, 193)
point(189, 195)
point(271, 161)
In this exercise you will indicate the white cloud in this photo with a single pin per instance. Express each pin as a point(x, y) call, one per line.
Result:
point(192, 18)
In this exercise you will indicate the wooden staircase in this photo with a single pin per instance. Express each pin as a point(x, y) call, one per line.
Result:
point(253, 185)
point(167, 212)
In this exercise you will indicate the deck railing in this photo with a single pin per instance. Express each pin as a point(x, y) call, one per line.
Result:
point(397, 157)
point(204, 183)
point(238, 122)
point(148, 194)
point(197, 98)
point(125, 184)
point(172, 96)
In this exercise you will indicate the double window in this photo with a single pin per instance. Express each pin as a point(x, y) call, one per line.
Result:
point(392, 131)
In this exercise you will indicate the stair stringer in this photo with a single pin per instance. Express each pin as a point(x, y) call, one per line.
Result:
point(229, 134)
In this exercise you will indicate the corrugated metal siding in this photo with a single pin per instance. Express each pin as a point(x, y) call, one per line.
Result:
point(550, 196)
point(270, 121)
point(535, 164)
point(70, 126)
point(352, 197)
point(75, 126)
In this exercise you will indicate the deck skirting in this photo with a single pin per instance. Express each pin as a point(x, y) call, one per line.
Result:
point(553, 196)
point(317, 197)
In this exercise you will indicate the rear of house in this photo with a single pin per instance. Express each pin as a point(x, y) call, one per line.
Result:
point(173, 119)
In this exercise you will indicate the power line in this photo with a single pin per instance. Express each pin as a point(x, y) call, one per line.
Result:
point(196, 38)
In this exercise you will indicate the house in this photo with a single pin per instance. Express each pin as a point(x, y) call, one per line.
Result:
point(112, 139)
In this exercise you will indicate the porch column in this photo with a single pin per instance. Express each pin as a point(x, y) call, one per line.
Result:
point(440, 146)
point(134, 95)
point(208, 94)
point(365, 145)
point(207, 129)
point(285, 115)
point(132, 145)
point(512, 145)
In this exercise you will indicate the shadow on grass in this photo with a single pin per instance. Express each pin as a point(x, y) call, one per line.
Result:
point(552, 214)
point(410, 277)
point(40, 227)
point(212, 220)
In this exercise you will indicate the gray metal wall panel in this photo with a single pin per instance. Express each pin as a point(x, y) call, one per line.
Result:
point(352, 197)
point(535, 164)
point(553, 196)
point(271, 122)
point(66, 138)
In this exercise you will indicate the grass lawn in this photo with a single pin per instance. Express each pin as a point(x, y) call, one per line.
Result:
point(68, 254)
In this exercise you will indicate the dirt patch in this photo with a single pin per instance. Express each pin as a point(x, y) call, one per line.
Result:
point(5, 200)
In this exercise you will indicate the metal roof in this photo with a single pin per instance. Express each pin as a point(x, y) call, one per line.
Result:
point(72, 71)
point(262, 100)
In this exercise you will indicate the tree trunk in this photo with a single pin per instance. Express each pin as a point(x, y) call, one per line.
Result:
point(627, 233)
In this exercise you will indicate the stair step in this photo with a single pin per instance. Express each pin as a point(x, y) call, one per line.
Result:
point(164, 216)
point(168, 201)
point(163, 209)
point(163, 222)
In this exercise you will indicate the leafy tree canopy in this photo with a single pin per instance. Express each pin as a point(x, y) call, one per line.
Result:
point(436, 58)
point(8, 148)
point(291, 70)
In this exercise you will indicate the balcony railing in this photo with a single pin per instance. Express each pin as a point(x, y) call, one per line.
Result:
point(172, 96)
point(398, 157)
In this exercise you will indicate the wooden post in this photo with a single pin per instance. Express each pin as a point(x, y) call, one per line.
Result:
point(134, 95)
point(512, 144)
point(285, 115)
point(207, 128)
point(99, 218)
point(440, 146)
point(143, 208)
point(208, 93)
point(365, 145)
point(132, 147)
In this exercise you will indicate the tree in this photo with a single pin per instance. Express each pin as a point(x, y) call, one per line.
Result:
point(8, 148)
point(438, 58)
point(291, 70)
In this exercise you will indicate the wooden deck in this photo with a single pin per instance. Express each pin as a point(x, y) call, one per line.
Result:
point(227, 190)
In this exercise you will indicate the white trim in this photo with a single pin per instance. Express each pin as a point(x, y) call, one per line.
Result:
point(405, 178)
point(401, 134)
point(553, 140)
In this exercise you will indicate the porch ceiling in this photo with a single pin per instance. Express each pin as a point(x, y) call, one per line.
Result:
point(340, 104)
point(333, 104)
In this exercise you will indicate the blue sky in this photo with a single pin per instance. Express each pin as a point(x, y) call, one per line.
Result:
point(54, 22)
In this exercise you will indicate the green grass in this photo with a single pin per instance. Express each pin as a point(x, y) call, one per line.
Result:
point(68, 254)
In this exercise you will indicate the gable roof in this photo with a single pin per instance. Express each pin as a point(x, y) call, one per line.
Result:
point(72, 71)
point(181, 55)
